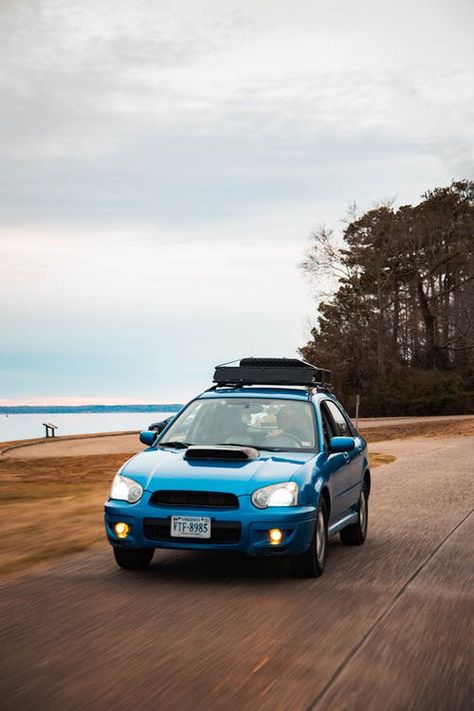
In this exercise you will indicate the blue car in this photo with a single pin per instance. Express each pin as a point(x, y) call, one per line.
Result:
point(265, 462)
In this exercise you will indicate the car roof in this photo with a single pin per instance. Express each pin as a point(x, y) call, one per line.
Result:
point(279, 393)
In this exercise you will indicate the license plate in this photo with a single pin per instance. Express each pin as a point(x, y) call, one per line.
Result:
point(190, 527)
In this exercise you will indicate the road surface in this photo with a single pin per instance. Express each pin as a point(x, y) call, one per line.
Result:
point(388, 626)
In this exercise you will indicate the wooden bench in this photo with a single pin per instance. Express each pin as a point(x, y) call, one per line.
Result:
point(49, 428)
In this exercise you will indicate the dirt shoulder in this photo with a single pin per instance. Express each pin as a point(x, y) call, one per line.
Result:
point(463, 427)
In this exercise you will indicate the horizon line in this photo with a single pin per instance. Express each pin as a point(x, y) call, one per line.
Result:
point(76, 402)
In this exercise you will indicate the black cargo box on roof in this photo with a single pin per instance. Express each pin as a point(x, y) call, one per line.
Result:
point(271, 371)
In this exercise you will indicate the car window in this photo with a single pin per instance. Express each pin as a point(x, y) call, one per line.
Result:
point(268, 423)
point(350, 424)
point(341, 425)
point(328, 426)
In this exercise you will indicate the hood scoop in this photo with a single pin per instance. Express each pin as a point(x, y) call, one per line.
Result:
point(221, 452)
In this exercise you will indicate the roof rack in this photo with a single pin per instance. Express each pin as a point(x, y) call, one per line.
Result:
point(271, 371)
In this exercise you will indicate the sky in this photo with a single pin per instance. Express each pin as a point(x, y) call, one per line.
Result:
point(163, 166)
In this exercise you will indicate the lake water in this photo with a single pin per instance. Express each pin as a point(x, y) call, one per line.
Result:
point(29, 426)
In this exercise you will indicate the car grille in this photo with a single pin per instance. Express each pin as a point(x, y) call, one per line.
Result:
point(195, 499)
point(158, 529)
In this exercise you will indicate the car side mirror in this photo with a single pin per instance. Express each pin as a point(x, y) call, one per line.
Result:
point(147, 437)
point(341, 444)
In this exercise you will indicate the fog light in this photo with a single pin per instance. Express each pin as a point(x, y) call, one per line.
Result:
point(275, 536)
point(121, 529)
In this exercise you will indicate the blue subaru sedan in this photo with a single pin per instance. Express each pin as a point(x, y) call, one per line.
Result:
point(265, 462)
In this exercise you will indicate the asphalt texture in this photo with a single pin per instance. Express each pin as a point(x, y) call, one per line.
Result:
point(390, 625)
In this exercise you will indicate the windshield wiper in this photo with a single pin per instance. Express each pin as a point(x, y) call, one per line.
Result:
point(174, 445)
point(254, 446)
point(239, 444)
point(236, 444)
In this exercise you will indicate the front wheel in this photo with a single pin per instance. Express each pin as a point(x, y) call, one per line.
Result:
point(356, 534)
point(133, 558)
point(311, 563)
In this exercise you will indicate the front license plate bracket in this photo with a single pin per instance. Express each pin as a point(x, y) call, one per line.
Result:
point(190, 527)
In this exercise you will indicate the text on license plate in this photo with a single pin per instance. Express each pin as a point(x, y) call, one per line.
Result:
point(190, 527)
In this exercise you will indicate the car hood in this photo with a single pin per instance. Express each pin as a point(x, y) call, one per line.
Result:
point(158, 469)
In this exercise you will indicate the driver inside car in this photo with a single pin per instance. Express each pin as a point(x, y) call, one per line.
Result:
point(291, 427)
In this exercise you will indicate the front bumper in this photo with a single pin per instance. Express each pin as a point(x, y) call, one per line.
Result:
point(244, 529)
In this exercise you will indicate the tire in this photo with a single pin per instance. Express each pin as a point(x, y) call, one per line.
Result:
point(133, 558)
point(310, 564)
point(356, 534)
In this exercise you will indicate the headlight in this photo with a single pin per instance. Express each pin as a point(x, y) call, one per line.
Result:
point(125, 489)
point(285, 494)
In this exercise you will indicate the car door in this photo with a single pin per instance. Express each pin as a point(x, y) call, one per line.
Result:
point(351, 477)
point(336, 466)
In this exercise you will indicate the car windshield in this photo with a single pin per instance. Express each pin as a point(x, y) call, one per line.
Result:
point(264, 423)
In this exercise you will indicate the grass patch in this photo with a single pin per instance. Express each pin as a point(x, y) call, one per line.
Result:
point(44, 528)
point(52, 506)
point(378, 458)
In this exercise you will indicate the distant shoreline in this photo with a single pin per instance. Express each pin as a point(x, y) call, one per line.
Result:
point(80, 409)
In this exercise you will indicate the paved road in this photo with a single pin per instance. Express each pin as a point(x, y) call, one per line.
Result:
point(117, 443)
point(70, 447)
point(369, 422)
point(388, 626)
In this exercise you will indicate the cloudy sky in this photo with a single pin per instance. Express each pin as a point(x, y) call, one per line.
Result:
point(163, 165)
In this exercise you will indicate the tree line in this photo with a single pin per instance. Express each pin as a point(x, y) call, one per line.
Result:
point(399, 327)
